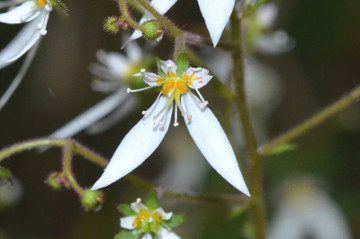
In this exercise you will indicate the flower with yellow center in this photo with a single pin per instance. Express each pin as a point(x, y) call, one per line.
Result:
point(176, 83)
point(147, 222)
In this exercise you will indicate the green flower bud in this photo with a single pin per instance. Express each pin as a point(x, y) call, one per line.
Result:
point(153, 29)
point(110, 25)
point(54, 180)
point(92, 200)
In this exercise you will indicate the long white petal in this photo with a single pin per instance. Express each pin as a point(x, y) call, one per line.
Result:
point(162, 6)
point(138, 144)
point(22, 42)
point(216, 14)
point(211, 140)
point(24, 13)
point(90, 116)
point(167, 234)
point(19, 76)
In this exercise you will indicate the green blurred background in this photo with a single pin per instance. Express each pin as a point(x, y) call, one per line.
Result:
point(323, 66)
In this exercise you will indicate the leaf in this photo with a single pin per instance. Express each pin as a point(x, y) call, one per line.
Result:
point(175, 220)
point(283, 148)
point(152, 201)
point(182, 64)
point(126, 234)
point(237, 212)
point(160, 71)
point(126, 210)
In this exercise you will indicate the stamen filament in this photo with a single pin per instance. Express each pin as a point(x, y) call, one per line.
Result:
point(128, 90)
point(203, 102)
point(146, 112)
point(175, 116)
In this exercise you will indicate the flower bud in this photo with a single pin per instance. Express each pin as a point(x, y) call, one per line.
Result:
point(92, 200)
point(110, 25)
point(54, 180)
point(153, 29)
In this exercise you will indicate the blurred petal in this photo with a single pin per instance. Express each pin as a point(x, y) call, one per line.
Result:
point(167, 234)
point(216, 14)
point(211, 140)
point(275, 43)
point(199, 75)
point(127, 222)
point(22, 42)
point(168, 66)
point(267, 14)
point(24, 13)
point(19, 76)
point(138, 145)
point(147, 236)
point(134, 52)
point(162, 6)
point(91, 115)
point(115, 63)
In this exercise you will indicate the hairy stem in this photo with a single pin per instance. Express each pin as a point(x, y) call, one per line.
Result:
point(126, 14)
point(312, 122)
point(255, 167)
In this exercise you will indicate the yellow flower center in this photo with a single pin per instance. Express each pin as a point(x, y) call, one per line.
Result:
point(144, 215)
point(41, 3)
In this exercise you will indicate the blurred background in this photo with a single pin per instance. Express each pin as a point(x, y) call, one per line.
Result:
point(322, 66)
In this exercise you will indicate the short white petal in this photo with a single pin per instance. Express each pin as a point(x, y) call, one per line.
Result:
point(216, 14)
point(200, 77)
point(22, 42)
point(162, 6)
point(165, 215)
point(211, 140)
point(167, 234)
point(168, 66)
point(17, 15)
point(137, 206)
point(91, 115)
point(127, 222)
point(138, 144)
point(150, 78)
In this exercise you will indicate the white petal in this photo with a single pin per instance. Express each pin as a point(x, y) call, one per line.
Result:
point(211, 140)
point(150, 78)
point(127, 222)
point(136, 206)
point(147, 236)
point(267, 14)
point(22, 42)
point(162, 6)
point(24, 13)
point(200, 78)
point(168, 66)
point(165, 215)
point(115, 63)
point(19, 76)
point(216, 14)
point(91, 115)
point(167, 234)
point(273, 44)
point(134, 52)
point(138, 144)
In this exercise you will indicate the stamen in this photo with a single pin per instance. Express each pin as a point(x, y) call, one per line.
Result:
point(42, 24)
point(128, 90)
point(24, 17)
point(164, 118)
point(203, 102)
point(143, 70)
point(178, 102)
point(143, 112)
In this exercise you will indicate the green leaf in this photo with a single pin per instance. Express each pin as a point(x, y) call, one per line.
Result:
point(283, 148)
point(60, 6)
point(158, 64)
point(152, 201)
point(126, 210)
point(126, 234)
point(237, 212)
point(182, 64)
point(175, 220)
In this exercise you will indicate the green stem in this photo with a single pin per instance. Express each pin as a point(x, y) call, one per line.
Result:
point(173, 29)
point(254, 162)
point(312, 122)
point(126, 14)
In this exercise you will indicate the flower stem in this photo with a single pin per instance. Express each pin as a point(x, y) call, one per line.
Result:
point(255, 166)
point(312, 122)
point(126, 14)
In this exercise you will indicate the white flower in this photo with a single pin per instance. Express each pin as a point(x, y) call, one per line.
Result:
point(112, 71)
point(203, 126)
point(216, 14)
point(305, 211)
point(144, 218)
point(36, 14)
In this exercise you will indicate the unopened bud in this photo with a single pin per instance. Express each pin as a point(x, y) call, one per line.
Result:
point(92, 200)
point(111, 25)
point(153, 29)
point(54, 180)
